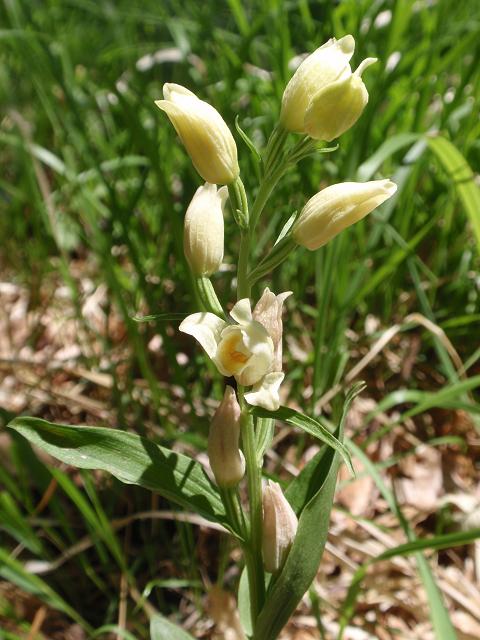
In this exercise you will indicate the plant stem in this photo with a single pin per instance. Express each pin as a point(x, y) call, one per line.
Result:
point(208, 297)
point(275, 166)
point(253, 546)
point(277, 255)
point(243, 286)
point(231, 503)
point(266, 187)
point(256, 577)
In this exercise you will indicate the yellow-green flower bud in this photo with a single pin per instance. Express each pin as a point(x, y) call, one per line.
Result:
point(203, 229)
point(337, 106)
point(337, 207)
point(279, 527)
point(327, 64)
point(204, 133)
point(226, 459)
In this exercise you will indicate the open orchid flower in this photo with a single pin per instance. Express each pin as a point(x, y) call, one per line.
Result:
point(247, 350)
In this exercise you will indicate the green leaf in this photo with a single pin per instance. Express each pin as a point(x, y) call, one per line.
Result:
point(309, 481)
point(244, 609)
point(393, 262)
point(286, 227)
point(445, 541)
point(263, 437)
point(113, 629)
point(130, 458)
point(162, 629)
point(160, 317)
point(367, 169)
point(13, 571)
point(247, 141)
point(445, 397)
point(304, 557)
point(14, 522)
point(462, 176)
point(311, 426)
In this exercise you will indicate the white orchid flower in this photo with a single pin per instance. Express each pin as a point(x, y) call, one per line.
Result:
point(245, 350)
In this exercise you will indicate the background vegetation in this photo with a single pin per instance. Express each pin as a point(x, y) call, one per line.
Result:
point(93, 188)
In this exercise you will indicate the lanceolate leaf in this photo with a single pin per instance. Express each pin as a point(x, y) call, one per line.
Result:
point(315, 489)
point(311, 426)
point(131, 459)
point(463, 178)
point(309, 481)
point(367, 169)
point(247, 141)
point(162, 629)
point(264, 437)
point(161, 317)
point(244, 610)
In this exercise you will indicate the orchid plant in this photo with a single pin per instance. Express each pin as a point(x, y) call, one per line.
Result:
point(281, 533)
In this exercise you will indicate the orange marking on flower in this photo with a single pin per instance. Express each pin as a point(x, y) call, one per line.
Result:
point(237, 356)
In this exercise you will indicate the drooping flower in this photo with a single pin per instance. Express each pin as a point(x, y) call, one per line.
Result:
point(203, 229)
point(226, 459)
point(204, 133)
point(324, 98)
point(337, 207)
point(245, 350)
point(279, 527)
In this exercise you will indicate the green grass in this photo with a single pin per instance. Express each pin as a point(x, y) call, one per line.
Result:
point(92, 175)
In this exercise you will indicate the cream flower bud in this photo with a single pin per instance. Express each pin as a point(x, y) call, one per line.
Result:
point(226, 459)
point(204, 133)
point(279, 527)
point(337, 106)
point(337, 207)
point(203, 230)
point(327, 64)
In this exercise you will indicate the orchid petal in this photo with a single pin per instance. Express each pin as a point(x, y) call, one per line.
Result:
point(260, 345)
point(206, 329)
point(242, 311)
point(265, 393)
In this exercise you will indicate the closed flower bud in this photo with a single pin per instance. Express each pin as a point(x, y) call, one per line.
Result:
point(203, 230)
point(204, 133)
point(279, 527)
point(337, 106)
point(324, 98)
point(337, 207)
point(226, 459)
point(327, 64)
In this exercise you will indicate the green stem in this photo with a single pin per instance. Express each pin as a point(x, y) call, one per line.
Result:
point(239, 203)
point(243, 287)
point(274, 147)
point(208, 297)
point(277, 255)
point(256, 576)
point(274, 169)
point(266, 187)
point(230, 499)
